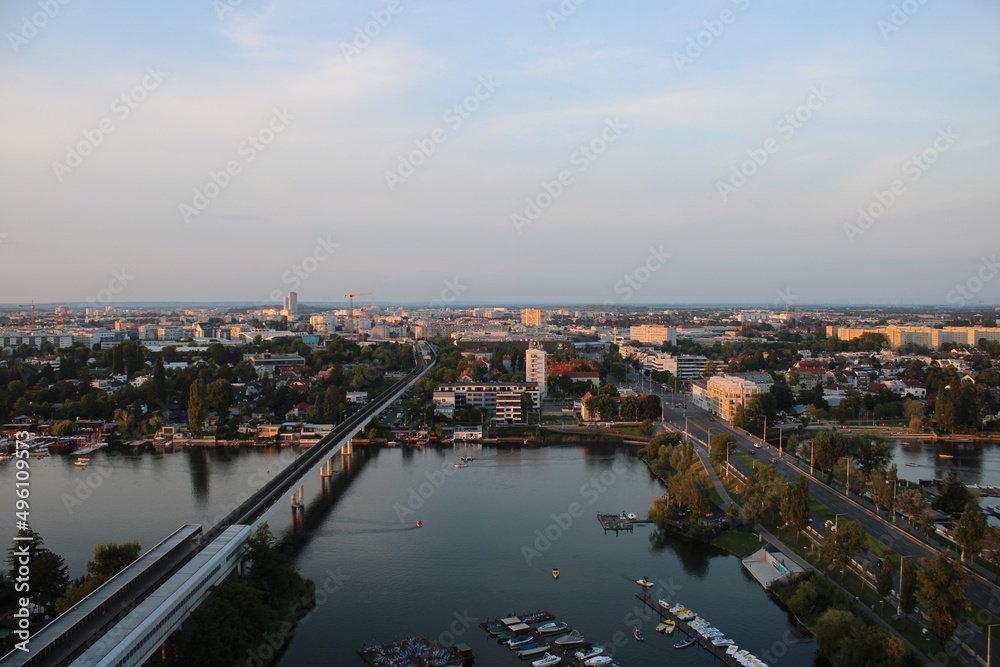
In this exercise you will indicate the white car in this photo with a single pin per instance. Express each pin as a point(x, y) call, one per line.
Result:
point(756, 445)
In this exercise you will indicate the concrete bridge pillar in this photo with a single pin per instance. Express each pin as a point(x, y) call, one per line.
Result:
point(298, 502)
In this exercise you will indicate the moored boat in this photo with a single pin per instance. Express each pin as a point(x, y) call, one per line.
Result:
point(598, 660)
point(547, 661)
point(520, 641)
point(529, 652)
point(645, 582)
point(684, 643)
point(589, 653)
point(637, 633)
point(552, 628)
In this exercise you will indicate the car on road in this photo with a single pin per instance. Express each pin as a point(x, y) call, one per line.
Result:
point(774, 459)
point(756, 445)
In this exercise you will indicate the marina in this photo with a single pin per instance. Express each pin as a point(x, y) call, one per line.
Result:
point(709, 639)
point(547, 644)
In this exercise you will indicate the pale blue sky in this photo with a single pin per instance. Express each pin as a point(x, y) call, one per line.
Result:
point(673, 132)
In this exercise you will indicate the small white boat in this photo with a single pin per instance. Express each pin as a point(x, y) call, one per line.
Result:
point(547, 661)
point(589, 653)
point(632, 517)
point(552, 628)
point(722, 641)
point(598, 660)
point(461, 465)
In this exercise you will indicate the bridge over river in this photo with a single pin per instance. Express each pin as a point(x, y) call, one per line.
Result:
point(126, 620)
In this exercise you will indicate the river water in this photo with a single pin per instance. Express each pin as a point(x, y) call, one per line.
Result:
point(492, 533)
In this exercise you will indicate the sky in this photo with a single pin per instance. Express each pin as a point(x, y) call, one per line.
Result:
point(618, 153)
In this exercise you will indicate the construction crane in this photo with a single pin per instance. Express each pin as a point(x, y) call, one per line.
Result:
point(352, 325)
point(25, 305)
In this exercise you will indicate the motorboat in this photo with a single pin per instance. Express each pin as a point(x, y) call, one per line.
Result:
point(555, 573)
point(598, 660)
point(547, 661)
point(552, 628)
point(722, 641)
point(468, 459)
point(589, 653)
point(632, 517)
point(420, 524)
point(645, 582)
point(945, 456)
point(527, 646)
point(461, 465)
point(520, 641)
point(529, 652)
point(684, 643)
point(637, 633)
point(572, 639)
point(81, 462)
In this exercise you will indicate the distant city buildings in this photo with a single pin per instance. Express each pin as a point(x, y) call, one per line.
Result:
point(291, 304)
point(931, 337)
point(503, 397)
point(532, 317)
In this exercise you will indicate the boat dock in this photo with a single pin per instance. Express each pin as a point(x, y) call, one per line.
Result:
point(520, 625)
point(617, 522)
point(717, 651)
point(415, 652)
point(89, 449)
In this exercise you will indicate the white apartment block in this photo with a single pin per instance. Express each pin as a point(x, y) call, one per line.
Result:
point(534, 368)
point(926, 336)
point(683, 366)
point(532, 317)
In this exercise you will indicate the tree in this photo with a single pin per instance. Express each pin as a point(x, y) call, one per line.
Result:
point(691, 489)
point(760, 408)
point(795, 504)
point(839, 545)
point(723, 444)
point(109, 560)
point(991, 545)
point(630, 409)
point(197, 410)
point(869, 453)
point(646, 427)
point(970, 533)
point(48, 576)
point(828, 448)
point(911, 503)
point(907, 586)
point(954, 496)
point(219, 395)
point(763, 490)
point(942, 593)
point(885, 580)
point(607, 409)
point(649, 407)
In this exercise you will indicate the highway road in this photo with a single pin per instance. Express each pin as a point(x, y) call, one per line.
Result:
point(681, 414)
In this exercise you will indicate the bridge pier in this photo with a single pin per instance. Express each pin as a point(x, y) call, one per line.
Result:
point(326, 470)
point(346, 450)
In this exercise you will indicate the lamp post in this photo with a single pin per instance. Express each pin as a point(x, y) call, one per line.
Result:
point(899, 598)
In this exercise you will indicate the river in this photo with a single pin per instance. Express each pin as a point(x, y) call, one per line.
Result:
point(492, 532)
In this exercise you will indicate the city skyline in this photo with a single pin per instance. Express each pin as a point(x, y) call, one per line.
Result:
point(535, 153)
